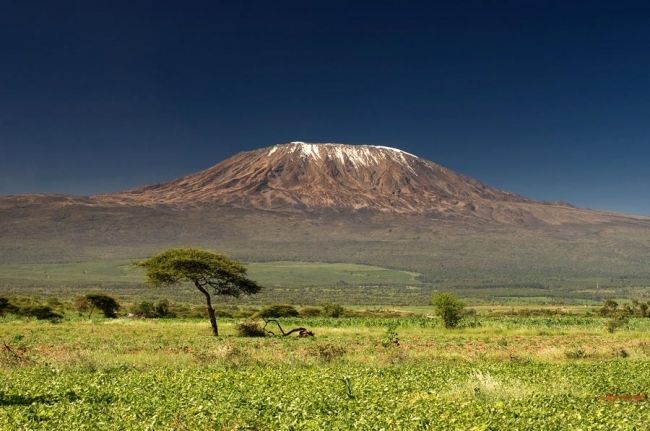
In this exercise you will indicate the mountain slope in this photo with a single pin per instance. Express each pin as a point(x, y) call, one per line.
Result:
point(337, 203)
point(334, 177)
point(318, 176)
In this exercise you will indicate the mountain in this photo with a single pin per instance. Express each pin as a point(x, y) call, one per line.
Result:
point(338, 203)
point(313, 178)
point(310, 177)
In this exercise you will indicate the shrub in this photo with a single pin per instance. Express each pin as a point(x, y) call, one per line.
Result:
point(143, 309)
point(161, 309)
point(149, 310)
point(310, 311)
point(250, 329)
point(54, 302)
point(616, 322)
point(390, 338)
point(278, 311)
point(7, 307)
point(333, 310)
point(29, 309)
point(245, 312)
point(41, 312)
point(188, 310)
point(609, 308)
point(449, 308)
point(612, 308)
point(107, 304)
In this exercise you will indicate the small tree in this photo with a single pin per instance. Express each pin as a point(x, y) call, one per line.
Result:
point(107, 304)
point(609, 308)
point(449, 308)
point(205, 270)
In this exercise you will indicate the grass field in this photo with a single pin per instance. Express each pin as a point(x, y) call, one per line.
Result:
point(289, 274)
point(292, 282)
point(494, 373)
point(301, 283)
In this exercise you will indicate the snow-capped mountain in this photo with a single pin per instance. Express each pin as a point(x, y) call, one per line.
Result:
point(334, 203)
point(302, 175)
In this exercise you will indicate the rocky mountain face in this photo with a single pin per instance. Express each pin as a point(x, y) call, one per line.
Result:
point(306, 176)
point(316, 178)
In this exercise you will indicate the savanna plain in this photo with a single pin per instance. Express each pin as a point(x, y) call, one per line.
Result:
point(393, 368)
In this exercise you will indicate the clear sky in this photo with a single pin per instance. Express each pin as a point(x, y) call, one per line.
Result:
point(547, 99)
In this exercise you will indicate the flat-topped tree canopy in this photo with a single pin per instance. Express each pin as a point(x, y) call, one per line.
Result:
point(205, 269)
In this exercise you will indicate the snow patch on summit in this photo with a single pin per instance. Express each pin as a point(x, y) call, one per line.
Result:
point(358, 155)
point(394, 149)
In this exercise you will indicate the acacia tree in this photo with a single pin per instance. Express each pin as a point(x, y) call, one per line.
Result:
point(206, 270)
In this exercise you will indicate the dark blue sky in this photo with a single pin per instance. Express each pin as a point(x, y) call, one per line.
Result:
point(547, 99)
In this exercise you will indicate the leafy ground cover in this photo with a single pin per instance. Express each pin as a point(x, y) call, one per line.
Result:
point(493, 373)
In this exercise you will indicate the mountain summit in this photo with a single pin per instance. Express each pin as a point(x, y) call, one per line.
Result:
point(311, 176)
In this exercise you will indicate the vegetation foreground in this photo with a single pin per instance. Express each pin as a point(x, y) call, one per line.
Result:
point(402, 373)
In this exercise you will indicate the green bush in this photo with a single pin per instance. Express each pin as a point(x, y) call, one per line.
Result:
point(149, 310)
point(609, 308)
point(106, 304)
point(7, 307)
point(144, 309)
point(40, 312)
point(310, 311)
point(161, 308)
point(278, 311)
point(333, 310)
point(391, 338)
point(29, 308)
point(449, 308)
point(250, 329)
point(616, 322)
point(612, 308)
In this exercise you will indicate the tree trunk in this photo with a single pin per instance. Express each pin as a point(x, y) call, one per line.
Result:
point(211, 313)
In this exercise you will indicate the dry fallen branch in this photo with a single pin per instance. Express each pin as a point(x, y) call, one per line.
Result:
point(302, 332)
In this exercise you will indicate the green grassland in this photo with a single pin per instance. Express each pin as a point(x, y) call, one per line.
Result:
point(294, 282)
point(493, 373)
point(280, 274)
point(305, 283)
point(555, 262)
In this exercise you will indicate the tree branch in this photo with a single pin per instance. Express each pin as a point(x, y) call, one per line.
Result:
point(302, 332)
